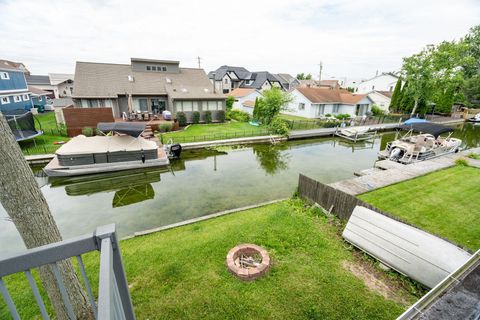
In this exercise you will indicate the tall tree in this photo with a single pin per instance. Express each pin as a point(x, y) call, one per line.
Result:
point(274, 100)
point(396, 96)
point(24, 202)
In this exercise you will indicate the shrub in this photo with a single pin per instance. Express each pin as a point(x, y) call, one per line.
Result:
point(473, 155)
point(87, 131)
point(279, 126)
point(343, 116)
point(208, 116)
point(165, 127)
point(461, 162)
point(328, 115)
point(239, 115)
point(182, 119)
point(98, 132)
point(221, 116)
point(195, 117)
point(229, 102)
point(376, 111)
point(331, 124)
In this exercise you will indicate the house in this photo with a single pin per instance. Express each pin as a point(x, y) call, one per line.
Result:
point(228, 78)
point(319, 84)
point(59, 85)
point(381, 99)
point(382, 82)
point(145, 85)
point(14, 94)
point(38, 96)
point(318, 102)
point(245, 98)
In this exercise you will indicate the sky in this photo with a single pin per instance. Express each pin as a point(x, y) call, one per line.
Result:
point(352, 38)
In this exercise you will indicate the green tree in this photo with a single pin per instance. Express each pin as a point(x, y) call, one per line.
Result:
point(396, 96)
point(274, 100)
point(301, 76)
point(255, 109)
point(308, 77)
point(229, 102)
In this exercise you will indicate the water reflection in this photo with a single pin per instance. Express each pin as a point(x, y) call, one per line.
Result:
point(202, 182)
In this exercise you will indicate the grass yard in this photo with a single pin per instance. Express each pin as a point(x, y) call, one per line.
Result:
point(290, 117)
point(215, 131)
point(445, 203)
point(44, 143)
point(181, 273)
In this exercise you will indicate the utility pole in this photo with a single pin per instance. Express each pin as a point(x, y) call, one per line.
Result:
point(198, 59)
point(320, 72)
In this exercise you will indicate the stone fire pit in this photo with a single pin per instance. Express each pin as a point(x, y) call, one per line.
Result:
point(248, 261)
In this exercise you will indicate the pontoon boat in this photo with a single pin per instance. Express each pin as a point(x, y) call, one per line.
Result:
point(426, 145)
point(356, 134)
point(476, 118)
point(121, 149)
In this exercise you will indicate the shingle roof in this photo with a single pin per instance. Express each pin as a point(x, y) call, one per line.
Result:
point(241, 92)
point(241, 72)
point(37, 79)
point(110, 80)
point(11, 65)
point(327, 95)
point(387, 94)
point(62, 102)
point(37, 91)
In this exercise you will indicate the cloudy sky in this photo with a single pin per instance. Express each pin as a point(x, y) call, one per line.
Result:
point(351, 37)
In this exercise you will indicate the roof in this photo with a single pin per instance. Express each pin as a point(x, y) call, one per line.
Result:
point(106, 80)
point(37, 79)
point(102, 144)
point(259, 79)
point(37, 91)
point(154, 60)
point(241, 72)
point(241, 92)
point(387, 94)
point(306, 83)
point(249, 103)
point(11, 65)
point(62, 102)
point(329, 95)
point(329, 83)
point(434, 129)
point(381, 75)
point(57, 78)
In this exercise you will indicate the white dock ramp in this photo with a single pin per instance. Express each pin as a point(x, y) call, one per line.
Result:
point(411, 251)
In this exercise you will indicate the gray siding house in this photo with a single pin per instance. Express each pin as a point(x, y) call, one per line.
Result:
point(150, 85)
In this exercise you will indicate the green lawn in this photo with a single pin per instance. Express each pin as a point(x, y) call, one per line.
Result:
point(445, 203)
point(181, 273)
point(44, 143)
point(290, 117)
point(215, 131)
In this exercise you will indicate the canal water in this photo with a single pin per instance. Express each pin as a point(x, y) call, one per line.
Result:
point(202, 182)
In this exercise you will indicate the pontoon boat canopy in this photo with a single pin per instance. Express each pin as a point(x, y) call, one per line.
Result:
point(434, 129)
point(133, 129)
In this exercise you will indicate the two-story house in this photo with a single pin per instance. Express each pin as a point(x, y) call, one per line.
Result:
point(14, 93)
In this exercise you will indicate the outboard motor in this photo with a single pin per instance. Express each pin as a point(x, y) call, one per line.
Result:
point(175, 150)
point(395, 154)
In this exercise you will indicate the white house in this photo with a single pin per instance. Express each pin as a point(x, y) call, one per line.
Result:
point(381, 82)
point(318, 102)
point(381, 99)
point(245, 99)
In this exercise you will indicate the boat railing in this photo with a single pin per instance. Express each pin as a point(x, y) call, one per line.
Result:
point(113, 297)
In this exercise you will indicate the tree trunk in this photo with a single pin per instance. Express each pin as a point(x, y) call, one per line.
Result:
point(24, 202)
point(414, 107)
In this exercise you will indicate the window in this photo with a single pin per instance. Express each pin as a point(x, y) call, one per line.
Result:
point(301, 106)
point(154, 68)
point(4, 76)
point(187, 106)
point(26, 97)
point(101, 102)
point(391, 88)
point(178, 106)
point(225, 80)
point(5, 100)
point(373, 87)
point(212, 105)
point(320, 109)
point(335, 108)
point(164, 68)
point(148, 68)
point(92, 103)
point(195, 106)
point(142, 104)
point(17, 99)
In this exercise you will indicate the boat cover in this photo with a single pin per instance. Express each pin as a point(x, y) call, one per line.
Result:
point(133, 129)
point(415, 120)
point(102, 144)
point(434, 129)
point(411, 251)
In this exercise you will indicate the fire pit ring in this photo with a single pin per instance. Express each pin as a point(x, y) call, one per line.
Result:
point(248, 261)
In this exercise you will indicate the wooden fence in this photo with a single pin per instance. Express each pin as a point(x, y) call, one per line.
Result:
point(78, 118)
point(338, 202)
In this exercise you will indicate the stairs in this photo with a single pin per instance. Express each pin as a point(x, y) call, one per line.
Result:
point(148, 132)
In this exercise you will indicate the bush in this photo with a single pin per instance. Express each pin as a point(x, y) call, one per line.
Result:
point(229, 102)
point(165, 127)
point(98, 132)
point(331, 124)
point(279, 126)
point(238, 115)
point(208, 116)
point(195, 117)
point(182, 119)
point(376, 111)
point(221, 116)
point(87, 131)
point(343, 116)
point(328, 115)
